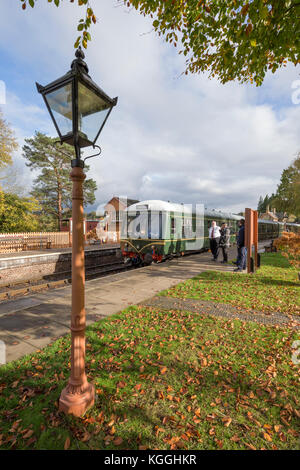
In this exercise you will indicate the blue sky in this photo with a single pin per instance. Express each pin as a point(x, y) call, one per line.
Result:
point(171, 137)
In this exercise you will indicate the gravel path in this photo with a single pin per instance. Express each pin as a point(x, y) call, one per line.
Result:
point(221, 310)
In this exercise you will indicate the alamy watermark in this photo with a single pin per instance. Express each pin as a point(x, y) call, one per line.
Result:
point(2, 353)
point(2, 92)
point(154, 220)
point(296, 94)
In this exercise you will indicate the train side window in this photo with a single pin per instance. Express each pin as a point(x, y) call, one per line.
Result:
point(173, 227)
point(187, 227)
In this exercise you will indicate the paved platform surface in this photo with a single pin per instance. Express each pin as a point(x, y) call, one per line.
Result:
point(32, 322)
point(221, 310)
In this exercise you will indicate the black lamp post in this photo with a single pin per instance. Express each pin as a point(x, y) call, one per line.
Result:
point(78, 107)
point(79, 110)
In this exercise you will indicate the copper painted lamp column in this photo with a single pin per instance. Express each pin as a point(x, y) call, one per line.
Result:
point(79, 109)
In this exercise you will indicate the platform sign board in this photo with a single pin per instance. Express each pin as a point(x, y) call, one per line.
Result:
point(251, 239)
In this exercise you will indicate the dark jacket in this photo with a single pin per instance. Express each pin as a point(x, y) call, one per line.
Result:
point(241, 237)
point(225, 237)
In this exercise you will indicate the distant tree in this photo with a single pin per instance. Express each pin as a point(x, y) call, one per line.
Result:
point(18, 214)
point(287, 197)
point(91, 215)
point(231, 39)
point(264, 202)
point(53, 187)
point(9, 173)
point(260, 204)
point(8, 144)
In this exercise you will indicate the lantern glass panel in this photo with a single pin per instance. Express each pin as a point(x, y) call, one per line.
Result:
point(92, 111)
point(60, 102)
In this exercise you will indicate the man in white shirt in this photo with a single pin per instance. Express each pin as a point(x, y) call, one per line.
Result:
point(214, 238)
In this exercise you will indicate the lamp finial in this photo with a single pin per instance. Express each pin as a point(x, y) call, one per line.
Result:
point(79, 63)
point(79, 53)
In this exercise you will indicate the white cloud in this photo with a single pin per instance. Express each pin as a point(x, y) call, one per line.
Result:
point(187, 139)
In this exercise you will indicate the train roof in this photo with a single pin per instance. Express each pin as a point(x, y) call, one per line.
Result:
point(157, 205)
point(164, 206)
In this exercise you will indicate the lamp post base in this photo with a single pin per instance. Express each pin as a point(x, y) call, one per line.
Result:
point(77, 403)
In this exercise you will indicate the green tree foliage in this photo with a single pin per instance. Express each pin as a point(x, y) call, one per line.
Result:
point(264, 202)
point(231, 39)
point(287, 197)
point(8, 143)
point(260, 204)
point(53, 187)
point(18, 214)
point(91, 216)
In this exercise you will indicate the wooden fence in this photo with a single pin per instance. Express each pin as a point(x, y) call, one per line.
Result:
point(12, 242)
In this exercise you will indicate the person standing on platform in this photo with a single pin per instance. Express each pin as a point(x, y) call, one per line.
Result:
point(242, 250)
point(224, 243)
point(214, 238)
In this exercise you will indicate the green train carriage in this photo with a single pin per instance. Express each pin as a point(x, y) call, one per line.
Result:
point(157, 230)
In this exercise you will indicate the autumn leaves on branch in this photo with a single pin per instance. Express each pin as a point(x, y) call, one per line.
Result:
point(234, 40)
point(84, 23)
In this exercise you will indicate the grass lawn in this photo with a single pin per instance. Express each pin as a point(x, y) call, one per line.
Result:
point(165, 380)
point(274, 287)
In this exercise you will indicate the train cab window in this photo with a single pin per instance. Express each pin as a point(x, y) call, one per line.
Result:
point(137, 225)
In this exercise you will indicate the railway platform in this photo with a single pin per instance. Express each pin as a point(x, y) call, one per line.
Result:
point(51, 251)
point(30, 323)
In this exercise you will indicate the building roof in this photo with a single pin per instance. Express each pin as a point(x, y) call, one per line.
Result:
point(123, 200)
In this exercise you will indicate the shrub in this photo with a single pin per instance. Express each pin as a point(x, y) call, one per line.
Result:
point(289, 245)
point(92, 235)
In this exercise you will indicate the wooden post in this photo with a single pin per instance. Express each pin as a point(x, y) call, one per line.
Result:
point(255, 238)
point(251, 237)
point(78, 395)
point(70, 231)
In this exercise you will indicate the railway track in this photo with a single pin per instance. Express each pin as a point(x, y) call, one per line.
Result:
point(56, 280)
point(61, 279)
